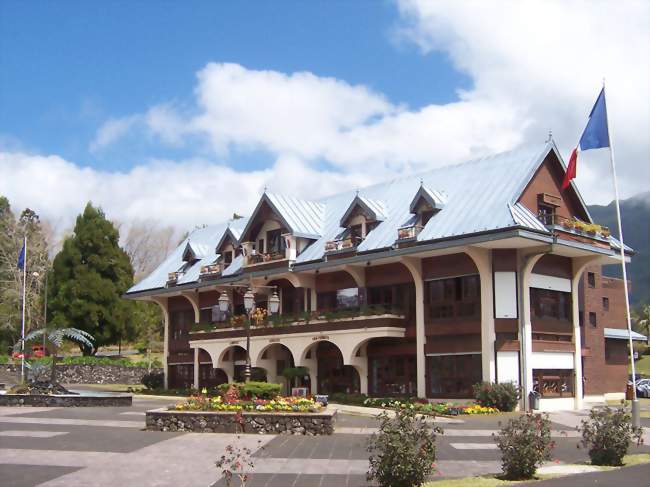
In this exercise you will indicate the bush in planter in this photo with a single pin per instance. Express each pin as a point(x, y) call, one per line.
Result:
point(343, 398)
point(503, 396)
point(608, 434)
point(525, 444)
point(260, 390)
point(403, 451)
point(153, 380)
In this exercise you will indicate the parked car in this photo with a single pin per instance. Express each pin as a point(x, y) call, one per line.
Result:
point(643, 388)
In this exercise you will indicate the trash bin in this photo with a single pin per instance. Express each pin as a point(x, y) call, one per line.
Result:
point(533, 399)
point(629, 392)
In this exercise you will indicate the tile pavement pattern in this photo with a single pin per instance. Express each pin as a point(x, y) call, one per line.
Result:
point(108, 446)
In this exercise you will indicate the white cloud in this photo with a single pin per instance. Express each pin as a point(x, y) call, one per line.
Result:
point(180, 194)
point(112, 130)
point(547, 58)
point(534, 66)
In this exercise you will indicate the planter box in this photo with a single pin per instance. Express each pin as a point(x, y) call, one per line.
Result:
point(44, 400)
point(321, 423)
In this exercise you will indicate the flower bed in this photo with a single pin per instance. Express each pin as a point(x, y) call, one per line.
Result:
point(421, 406)
point(279, 404)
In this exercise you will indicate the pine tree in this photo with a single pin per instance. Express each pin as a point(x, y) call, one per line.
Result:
point(88, 278)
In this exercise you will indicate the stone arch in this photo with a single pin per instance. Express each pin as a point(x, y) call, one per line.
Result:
point(349, 378)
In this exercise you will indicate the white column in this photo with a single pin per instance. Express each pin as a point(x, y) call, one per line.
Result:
point(525, 335)
point(196, 368)
point(414, 265)
point(163, 303)
point(578, 265)
point(483, 260)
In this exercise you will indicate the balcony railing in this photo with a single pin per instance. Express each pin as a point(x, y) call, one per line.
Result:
point(308, 317)
point(406, 233)
point(342, 244)
point(173, 277)
point(211, 269)
point(260, 257)
point(574, 225)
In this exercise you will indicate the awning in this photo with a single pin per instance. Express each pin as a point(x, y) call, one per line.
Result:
point(621, 334)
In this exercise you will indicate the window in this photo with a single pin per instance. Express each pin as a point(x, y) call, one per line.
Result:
point(356, 234)
point(606, 304)
point(546, 303)
point(591, 279)
point(275, 242)
point(227, 257)
point(347, 298)
point(547, 214)
point(260, 246)
point(426, 216)
point(592, 318)
point(553, 382)
point(454, 297)
point(453, 375)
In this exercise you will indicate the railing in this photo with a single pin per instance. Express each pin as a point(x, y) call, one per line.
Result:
point(211, 269)
point(260, 258)
point(346, 243)
point(412, 231)
point(172, 277)
point(574, 225)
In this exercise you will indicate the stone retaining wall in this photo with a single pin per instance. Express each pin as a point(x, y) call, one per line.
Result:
point(226, 422)
point(64, 401)
point(95, 374)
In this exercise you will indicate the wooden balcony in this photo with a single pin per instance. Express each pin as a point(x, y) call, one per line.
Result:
point(575, 227)
point(211, 270)
point(409, 233)
point(316, 322)
point(264, 258)
point(345, 244)
point(173, 277)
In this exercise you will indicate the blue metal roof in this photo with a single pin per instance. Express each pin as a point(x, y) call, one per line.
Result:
point(479, 195)
point(622, 334)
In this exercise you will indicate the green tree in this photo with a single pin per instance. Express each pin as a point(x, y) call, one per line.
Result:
point(88, 278)
point(641, 317)
point(12, 233)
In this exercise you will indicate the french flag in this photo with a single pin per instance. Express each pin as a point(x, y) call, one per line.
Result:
point(595, 136)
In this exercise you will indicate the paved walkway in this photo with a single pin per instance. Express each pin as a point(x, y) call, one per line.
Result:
point(76, 447)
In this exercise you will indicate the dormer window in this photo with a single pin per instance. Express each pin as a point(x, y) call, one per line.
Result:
point(362, 217)
point(425, 205)
point(227, 257)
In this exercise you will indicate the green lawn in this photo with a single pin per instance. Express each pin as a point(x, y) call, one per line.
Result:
point(643, 365)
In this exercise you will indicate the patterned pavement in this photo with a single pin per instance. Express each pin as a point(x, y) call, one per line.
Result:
point(107, 446)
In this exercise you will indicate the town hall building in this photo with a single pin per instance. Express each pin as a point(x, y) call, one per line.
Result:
point(420, 286)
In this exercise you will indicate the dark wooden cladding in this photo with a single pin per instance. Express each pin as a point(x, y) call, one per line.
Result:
point(548, 179)
point(548, 325)
point(178, 303)
point(209, 298)
point(554, 265)
point(385, 275)
point(504, 260)
point(306, 328)
point(454, 344)
point(506, 325)
point(391, 346)
point(332, 281)
point(452, 327)
point(448, 266)
point(507, 345)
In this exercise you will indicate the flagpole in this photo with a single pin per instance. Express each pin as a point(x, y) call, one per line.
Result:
point(636, 420)
point(22, 341)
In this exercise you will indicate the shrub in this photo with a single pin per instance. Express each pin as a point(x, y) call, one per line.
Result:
point(504, 397)
point(153, 380)
point(608, 434)
point(4, 359)
point(403, 451)
point(525, 444)
point(343, 398)
point(261, 390)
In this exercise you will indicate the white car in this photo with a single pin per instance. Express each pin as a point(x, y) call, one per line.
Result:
point(643, 388)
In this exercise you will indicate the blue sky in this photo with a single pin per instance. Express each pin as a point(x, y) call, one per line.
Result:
point(183, 112)
point(65, 67)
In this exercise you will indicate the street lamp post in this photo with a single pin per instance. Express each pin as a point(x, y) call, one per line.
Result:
point(249, 304)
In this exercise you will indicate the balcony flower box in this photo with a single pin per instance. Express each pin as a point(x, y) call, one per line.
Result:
point(172, 277)
point(210, 269)
point(408, 232)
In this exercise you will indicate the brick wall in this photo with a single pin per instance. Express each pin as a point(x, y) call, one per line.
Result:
point(605, 361)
